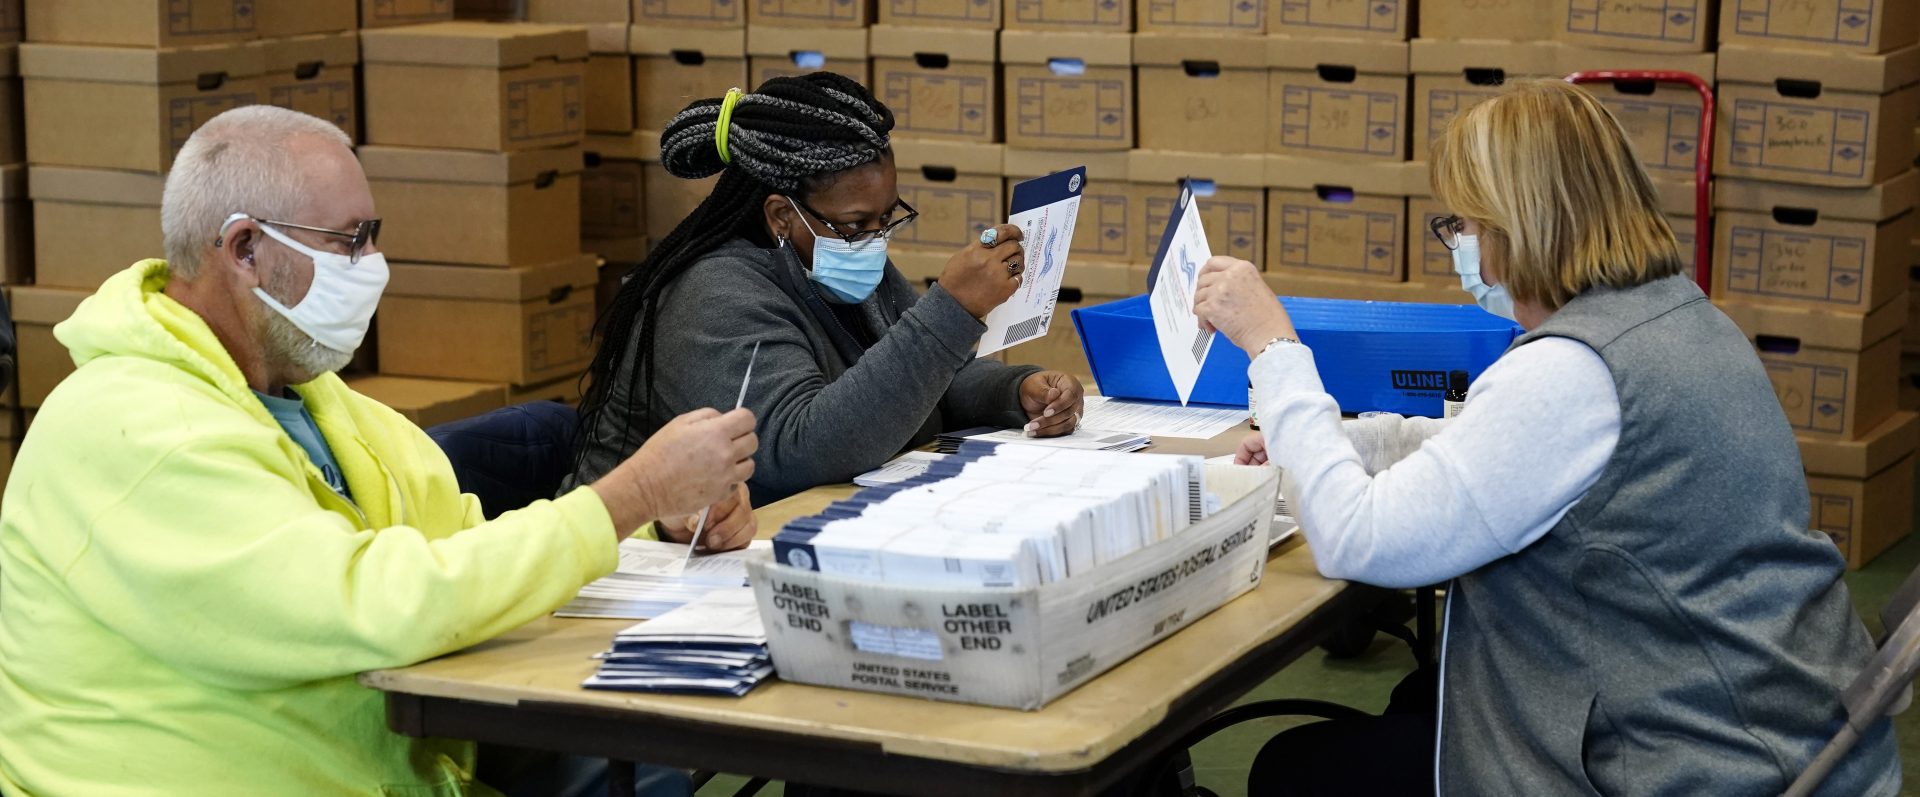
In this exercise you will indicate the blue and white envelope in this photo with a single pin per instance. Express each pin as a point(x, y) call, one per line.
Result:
point(1044, 209)
point(1183, 251)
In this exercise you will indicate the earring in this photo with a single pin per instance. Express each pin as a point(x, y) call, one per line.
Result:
point(783, 242)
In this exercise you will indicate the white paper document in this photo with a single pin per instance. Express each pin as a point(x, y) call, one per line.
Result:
point(1183, 250)
point(1160, 420)
point(1044, 209)
point(657, 559)
point(902, 468)
point(1083, 439)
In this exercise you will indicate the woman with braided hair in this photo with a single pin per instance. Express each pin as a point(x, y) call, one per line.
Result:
point(789, 252)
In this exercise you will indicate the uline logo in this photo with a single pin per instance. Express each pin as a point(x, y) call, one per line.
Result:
point(1419, 380)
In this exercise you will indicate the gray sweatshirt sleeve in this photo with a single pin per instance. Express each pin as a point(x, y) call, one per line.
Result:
point(987, 393)
point(812, 431)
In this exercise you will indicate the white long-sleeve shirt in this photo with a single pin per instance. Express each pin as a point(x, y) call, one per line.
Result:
point(1405, 502)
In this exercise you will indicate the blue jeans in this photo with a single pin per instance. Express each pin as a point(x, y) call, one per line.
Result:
point(533, 773)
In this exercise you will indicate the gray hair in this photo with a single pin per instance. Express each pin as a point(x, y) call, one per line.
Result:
point(238, 162)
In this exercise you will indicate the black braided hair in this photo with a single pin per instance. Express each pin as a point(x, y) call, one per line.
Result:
point(793, 134)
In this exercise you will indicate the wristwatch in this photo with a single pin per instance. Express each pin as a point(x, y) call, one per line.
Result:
point(1273, 343)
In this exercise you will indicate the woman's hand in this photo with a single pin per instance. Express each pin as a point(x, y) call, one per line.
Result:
point(730, 524)
point(982, 276)
point(1253, 451)
point(1233, 299)
point(1053, 402)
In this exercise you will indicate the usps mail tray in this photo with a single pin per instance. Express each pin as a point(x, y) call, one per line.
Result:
point(1372, 356)
point(1016, 648)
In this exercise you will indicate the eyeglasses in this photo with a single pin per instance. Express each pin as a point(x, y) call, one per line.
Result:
point(1448, 230)
point(886, 230)
point(364, 234)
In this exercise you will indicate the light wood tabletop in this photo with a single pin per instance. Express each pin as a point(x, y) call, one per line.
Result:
point(530, 679)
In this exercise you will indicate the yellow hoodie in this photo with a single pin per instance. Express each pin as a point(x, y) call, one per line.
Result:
point(184, 602)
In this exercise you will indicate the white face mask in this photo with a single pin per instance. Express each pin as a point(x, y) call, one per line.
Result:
point(339, 304)
point(1466, 263)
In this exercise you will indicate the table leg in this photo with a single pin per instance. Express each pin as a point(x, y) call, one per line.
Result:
point(620, 777)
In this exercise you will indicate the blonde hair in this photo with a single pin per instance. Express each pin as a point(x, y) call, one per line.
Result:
point(1553, 182)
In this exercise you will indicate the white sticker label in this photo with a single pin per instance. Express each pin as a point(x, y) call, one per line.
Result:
point(910, 643)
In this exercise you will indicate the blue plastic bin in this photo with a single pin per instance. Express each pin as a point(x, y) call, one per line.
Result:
point(1386, 356)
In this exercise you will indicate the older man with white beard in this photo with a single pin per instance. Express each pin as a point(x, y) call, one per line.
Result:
point(207, 534)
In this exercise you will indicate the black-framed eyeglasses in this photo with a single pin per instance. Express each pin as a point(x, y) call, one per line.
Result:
point(363, 235)
point(1448, 230)
point(885, 230)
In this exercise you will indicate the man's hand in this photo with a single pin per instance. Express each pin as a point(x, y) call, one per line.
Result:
point(1053, 402)
point(730, 524)
point(696, 460)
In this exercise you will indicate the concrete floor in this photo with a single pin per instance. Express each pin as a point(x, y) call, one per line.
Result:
point(1365, 682)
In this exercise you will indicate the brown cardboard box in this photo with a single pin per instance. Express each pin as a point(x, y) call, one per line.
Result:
point(10, 20)
point(610, 93)
point(670, 199)
point(851, 14)
point(581, 12)
point(519, 325)
point(315, 75)
point(939, 83)
point(673, 68)
point(16, 227)
point(1836, 374)
point(90, 224)
point(1678, 203)
point(477, 209)
point(123, 108)
point(1429, 262)
point(1060, 349)
point(1068, 90)
point(388, 13)
point(613, 208)
point(1879, 449)
point(565, 390)
point(1105, 244)
point(1872, 26)
point(974, 14)
point(1662, 119)
point(1839, 119)
point(681, 14)
point(1345, 100)
point(1378, 19)
point(1085, 16)
point(141, 23)
point(1203, 17)
point(609, 67)
point(278, 19)
point(1234, 213)
point(781, 51)
point(956, 186)
point(488, 10)
point(1303, 283)
point(1331, 219)
point(1864, 517)
point(612, 276)
point(513, 87)
point(1506, 20)
point(1841, 249)
point(431, 402)
point(13, 131)
point(1672, 26)
point(1452, 76)
point(42, 360)
point(1201, 93)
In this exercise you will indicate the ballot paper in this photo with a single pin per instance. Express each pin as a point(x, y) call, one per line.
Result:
point(714, 645)
point(1044, 209)
point(902, 468)
point(1083, 439)
point(649, 582)
point(1156, 419)
point(1183, 251)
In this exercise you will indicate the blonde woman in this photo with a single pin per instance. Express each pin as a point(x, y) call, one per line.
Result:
point(1636, 603)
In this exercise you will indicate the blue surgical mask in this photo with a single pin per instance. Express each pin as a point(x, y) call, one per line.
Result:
point(849, 272)
point(1466, 263)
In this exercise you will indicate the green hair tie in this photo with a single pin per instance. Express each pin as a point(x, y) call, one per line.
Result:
point(726, 120)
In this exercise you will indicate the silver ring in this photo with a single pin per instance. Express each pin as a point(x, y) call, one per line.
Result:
point(989, 236)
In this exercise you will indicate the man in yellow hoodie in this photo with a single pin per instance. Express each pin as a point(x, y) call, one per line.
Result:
point(207, 534)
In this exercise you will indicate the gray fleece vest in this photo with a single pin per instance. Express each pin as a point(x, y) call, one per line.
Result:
point(1681, 631)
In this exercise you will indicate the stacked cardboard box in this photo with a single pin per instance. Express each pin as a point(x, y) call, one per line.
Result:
point(684, 51)
point(391, 13)
point(1814, 205)
point(612, 197)
point(488, 280)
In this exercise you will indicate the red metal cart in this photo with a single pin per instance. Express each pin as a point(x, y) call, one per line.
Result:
point(1703, 166)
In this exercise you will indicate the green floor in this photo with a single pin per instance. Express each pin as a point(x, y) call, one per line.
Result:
point(1365, 682)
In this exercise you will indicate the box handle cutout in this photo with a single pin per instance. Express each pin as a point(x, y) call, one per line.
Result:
point(932, 60)
point(1796, 217)
point(593, 160)
point(1484, 77)
point(1913, 273)
point(1207, 69)
point(210, 81)
point(1803, 89)
point(1334, 73)
point(546, 179)
point(1777, 344)
point(809, 59)
point(1338, 194)
point(308, 70)
point(1202, 186)
point(1637, 88)
point(560, 294)
point(1068, 295)
point(1067, 67)
point(689, 57)
point(940, 174)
